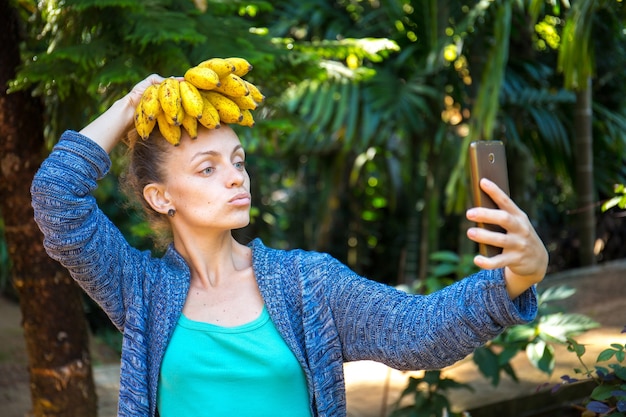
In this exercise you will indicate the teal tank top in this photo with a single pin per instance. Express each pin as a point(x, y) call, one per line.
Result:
point(216, 371)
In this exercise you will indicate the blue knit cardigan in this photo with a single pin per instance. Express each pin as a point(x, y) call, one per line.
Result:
point(325, 312)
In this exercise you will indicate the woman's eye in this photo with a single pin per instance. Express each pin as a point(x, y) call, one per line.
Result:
point(207, 170)
point(241, 165)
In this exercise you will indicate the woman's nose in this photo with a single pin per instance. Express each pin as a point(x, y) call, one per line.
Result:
point(236, 177)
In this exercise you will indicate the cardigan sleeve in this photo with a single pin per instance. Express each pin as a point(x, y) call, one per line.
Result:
point(407, 331)
point(76, 232)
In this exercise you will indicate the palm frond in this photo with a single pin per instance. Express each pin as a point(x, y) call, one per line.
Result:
point(576, 56)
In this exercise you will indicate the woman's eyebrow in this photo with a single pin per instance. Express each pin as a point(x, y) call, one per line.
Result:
point(214, 153)
point(203, 153)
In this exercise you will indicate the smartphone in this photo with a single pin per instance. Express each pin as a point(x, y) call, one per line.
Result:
point(487, 159)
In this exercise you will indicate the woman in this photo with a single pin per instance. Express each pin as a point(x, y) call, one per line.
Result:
point(217, 328)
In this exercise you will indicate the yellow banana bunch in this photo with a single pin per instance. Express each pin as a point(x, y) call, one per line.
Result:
point(228, 111)
point(247, 119)
point(211, 93)
point(203, 78)
point(190, 124)
point(143, 123)
point(191, 99)
point(210, 117)
point(255, 92)
point(220, 66)
point(232, 85)
point(171, 103)
point(242, 66)
point(170, 132)
point(245, 102)
point(150, 102)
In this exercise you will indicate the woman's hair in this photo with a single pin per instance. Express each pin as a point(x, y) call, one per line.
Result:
point(145, 166)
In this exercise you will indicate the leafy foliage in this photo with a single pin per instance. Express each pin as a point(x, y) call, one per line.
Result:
point(445, 268)
point(84, 54)
point(608, 398)
point(619, 200)
point(429, 396)
point(552, 326)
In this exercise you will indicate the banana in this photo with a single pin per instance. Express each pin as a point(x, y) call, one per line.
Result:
point(143, 124)
point(211, 93)
point(232, 85)
point(210, 117)
point(180, 116)
point(247, 120)
point(190, 124)
point(150, 101)
point(228, 111)
point(202, 77)
point(191, 99)
point(245, 102)
point(220, 65)
point(255, 92)
point(170, 132)
point(169, 97)
point(242, 66)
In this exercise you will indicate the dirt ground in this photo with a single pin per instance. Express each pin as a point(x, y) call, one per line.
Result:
point(372, 388)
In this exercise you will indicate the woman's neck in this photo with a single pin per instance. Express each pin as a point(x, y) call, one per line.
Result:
point(211, 260)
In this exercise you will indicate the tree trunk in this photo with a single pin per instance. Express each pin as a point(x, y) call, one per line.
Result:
point(54, 322)
point(583, 136)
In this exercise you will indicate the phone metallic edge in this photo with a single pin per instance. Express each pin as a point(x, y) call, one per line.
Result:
point(487, 159)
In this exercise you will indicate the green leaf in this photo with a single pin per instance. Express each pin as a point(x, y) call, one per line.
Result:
point(557, 293)
point(506, 355)
point(339, 115)
point(611, 203)
point(521, 332)
point(602, 392)
point(559, 326)
point(541, 356)
point(487, 102)
point(574, 346)
point(508, 369)
point(442, 270)
point(158, 27)
point(445, 256)
point(606, 355)
point(353, 115)
point(619, 370)
point(487, 362)
point(322, 104)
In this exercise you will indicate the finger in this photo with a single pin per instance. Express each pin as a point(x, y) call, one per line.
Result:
point(151, 79)
point(497, 217)
point(488, 237)
point(496, 261)
point(502, 199)
point(484, 262)
point(137, 91)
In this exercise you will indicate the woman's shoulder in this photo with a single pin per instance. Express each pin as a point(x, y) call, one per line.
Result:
point(270, 255)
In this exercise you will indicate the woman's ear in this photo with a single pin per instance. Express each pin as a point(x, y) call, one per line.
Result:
point(157, 197)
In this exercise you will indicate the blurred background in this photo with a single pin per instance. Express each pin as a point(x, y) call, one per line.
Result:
point(360, 148)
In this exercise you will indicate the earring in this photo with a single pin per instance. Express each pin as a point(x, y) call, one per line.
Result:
point(171, 212)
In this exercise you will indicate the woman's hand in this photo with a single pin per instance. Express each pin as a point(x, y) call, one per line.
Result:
point(134, 95)
point(523, 256)
point(114, 123)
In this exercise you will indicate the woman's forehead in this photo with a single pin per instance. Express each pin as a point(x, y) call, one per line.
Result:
point(210, 141)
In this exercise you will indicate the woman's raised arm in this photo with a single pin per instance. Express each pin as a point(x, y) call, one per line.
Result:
point(113, 124)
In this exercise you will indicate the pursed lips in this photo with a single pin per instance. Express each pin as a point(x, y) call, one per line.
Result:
point(240, 199)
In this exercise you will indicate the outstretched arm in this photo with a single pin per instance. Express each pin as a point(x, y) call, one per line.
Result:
point(524, 256)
